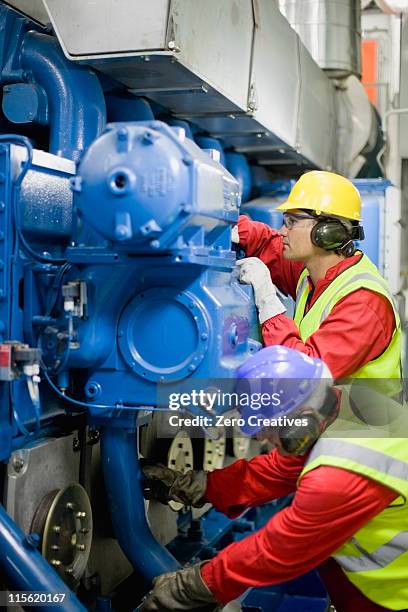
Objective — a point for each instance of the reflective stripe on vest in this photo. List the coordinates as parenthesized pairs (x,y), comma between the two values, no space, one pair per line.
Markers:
(374,459)
(302,286)
(378,559)
(362,274)
(375,559)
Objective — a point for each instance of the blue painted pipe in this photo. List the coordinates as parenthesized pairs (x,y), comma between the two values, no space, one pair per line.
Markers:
(27,570)
(122,474)
(123,106)
(77,113)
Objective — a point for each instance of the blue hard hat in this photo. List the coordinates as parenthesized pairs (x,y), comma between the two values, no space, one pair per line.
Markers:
(276,381)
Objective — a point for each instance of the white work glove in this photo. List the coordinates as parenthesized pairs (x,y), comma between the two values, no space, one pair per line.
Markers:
(235,235)
(254,272)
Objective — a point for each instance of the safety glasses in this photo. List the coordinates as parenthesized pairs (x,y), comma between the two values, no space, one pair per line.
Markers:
(290,219)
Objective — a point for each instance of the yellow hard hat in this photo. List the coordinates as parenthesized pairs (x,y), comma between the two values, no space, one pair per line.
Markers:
(325,193)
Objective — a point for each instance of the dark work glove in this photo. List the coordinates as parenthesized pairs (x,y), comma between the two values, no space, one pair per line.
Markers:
(178,591)
(164,484)
(155,489)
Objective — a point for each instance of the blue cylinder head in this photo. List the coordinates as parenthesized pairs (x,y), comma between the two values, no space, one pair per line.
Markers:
(133,184)
(141,184)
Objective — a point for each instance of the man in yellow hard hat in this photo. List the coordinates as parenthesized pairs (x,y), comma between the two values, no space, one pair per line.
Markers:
(344,310)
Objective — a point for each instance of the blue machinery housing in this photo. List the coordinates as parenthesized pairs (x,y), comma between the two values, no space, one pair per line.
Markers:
(116,276)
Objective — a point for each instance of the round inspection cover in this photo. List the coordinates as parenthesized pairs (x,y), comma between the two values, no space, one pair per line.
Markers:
(64,521)
(163,334)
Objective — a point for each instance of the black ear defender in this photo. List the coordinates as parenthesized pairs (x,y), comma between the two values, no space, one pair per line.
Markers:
(331,234)
(297,439)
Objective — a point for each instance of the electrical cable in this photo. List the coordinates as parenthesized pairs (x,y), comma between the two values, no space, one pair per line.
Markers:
(20,425)
(22,140)
(65,356)
(118,406)
(56,285)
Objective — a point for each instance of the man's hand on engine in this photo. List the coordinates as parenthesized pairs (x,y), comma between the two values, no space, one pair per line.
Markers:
(181,590)
(254,272)
(164,484)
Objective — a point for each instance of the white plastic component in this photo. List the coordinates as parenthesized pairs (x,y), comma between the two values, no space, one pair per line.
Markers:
(32,370)
(240,444)
(214,449)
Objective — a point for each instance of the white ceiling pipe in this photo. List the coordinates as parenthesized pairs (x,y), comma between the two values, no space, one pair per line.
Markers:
(393,7)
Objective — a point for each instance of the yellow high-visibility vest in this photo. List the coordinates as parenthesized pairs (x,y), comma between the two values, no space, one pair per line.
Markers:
(362,274)
(375,559)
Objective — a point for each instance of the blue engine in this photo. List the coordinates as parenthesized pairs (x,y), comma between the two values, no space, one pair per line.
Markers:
(116,276)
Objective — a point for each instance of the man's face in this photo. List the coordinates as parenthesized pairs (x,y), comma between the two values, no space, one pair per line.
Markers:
(295,232)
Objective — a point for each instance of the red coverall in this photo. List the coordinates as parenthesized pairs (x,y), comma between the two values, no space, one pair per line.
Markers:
(330,504)
(329,507)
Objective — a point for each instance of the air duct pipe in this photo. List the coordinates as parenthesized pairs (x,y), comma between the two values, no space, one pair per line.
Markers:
(330,30)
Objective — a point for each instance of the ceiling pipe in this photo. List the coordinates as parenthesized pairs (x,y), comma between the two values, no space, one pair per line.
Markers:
(330,30)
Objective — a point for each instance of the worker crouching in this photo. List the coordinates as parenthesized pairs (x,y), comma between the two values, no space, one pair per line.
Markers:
(348,517)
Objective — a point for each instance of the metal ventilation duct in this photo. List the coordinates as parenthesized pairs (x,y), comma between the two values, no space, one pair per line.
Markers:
(236,69)
(330,30)
(34,9)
